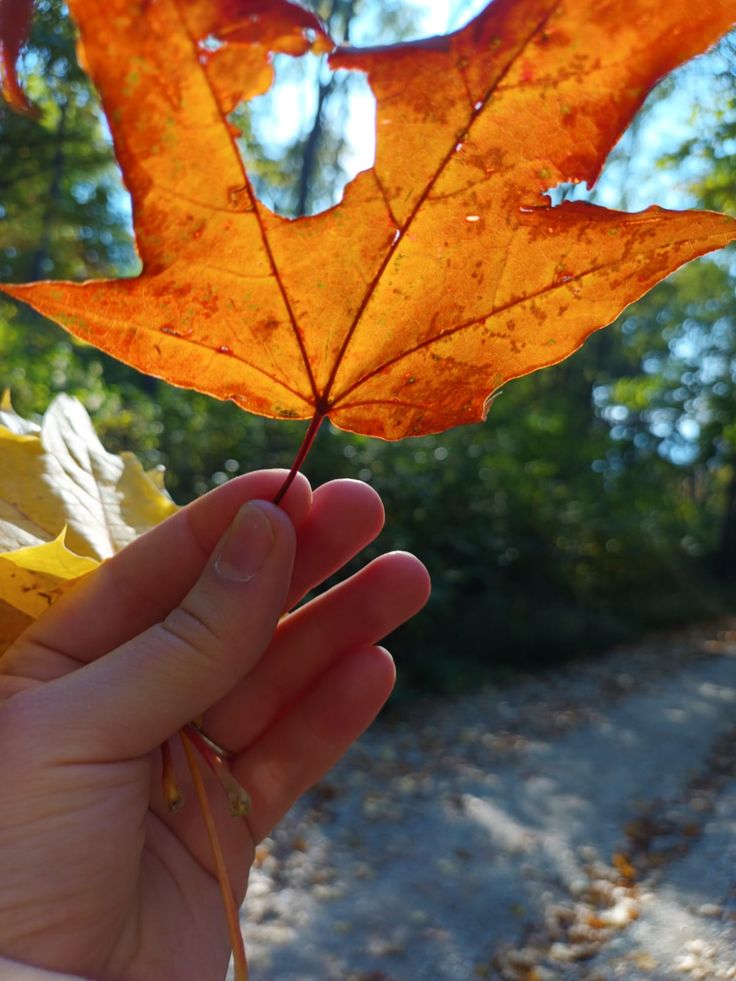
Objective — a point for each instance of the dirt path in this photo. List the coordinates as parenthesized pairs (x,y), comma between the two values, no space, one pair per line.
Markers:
(580,826)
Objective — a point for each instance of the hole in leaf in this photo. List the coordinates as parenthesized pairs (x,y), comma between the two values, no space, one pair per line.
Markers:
(308,136)
(314,131)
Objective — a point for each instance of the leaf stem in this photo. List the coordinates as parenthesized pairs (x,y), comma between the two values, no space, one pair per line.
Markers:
(237,796)
(172,794)
(192,739)
(299,458)
(231,911)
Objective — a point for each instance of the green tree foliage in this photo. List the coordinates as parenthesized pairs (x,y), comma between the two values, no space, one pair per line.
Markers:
(57,185)
(679,400)
(593,504)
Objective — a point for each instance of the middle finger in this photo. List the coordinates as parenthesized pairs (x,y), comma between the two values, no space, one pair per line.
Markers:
(356,613)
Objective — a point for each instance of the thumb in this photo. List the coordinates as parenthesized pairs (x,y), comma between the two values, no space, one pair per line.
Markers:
(131,700)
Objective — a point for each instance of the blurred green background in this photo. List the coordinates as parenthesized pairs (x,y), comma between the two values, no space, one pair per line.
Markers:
(599,499)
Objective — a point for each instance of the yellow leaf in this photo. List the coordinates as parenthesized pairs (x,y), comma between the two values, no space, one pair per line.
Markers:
(66,504)
(31,578)
(63,476)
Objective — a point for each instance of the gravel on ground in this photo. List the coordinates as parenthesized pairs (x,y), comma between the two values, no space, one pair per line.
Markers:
(578,825)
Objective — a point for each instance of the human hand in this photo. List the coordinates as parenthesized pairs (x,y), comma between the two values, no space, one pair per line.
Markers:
(97,878)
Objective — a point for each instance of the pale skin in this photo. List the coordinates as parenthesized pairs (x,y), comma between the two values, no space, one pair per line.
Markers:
(97,879)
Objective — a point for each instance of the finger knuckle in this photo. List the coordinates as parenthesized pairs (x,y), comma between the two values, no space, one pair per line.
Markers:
(192,629)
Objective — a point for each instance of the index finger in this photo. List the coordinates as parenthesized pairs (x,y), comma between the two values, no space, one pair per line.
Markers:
(147,579)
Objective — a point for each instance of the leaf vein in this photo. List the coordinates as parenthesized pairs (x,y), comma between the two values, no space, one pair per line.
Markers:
(423,197)
(428,341)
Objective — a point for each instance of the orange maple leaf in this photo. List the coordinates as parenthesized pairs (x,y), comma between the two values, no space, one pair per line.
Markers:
(444,272)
